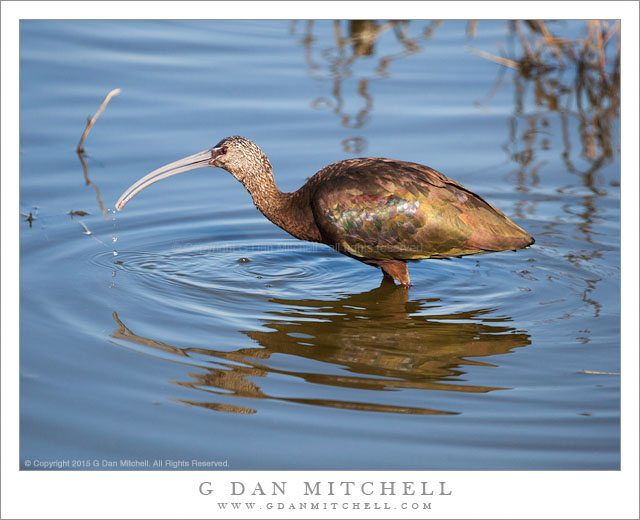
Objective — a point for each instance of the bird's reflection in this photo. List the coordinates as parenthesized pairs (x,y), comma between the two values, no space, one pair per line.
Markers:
(376,341)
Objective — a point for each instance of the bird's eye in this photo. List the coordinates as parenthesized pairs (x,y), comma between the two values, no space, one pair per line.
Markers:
(223,150)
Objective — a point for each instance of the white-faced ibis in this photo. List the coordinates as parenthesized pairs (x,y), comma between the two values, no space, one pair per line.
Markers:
(382,212)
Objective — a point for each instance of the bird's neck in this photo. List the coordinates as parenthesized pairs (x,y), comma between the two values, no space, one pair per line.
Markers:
(289,211)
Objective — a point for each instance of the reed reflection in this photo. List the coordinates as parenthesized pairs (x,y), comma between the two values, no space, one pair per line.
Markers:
(572,86)
(376,341)
(91,121)
(353,40)
(575,83)
(89,182)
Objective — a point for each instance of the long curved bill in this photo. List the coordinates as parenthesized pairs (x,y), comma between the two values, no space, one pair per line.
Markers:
(192,162)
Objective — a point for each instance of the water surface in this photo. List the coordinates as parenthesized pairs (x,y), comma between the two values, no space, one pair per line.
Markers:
(190,327)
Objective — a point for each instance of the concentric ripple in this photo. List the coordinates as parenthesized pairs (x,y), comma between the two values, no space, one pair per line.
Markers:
(280,268)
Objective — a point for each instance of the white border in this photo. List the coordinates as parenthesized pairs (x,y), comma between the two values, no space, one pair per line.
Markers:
(161,495)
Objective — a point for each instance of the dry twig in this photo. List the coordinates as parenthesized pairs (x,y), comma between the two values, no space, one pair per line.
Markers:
(92,121)
(472,28)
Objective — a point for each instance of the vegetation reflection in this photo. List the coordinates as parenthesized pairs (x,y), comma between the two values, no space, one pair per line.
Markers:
(571,87)
(375,341)
(564,90)
(353,40)
(82,153)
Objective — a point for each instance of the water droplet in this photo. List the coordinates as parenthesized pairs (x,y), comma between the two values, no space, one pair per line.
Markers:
(115,253)
(114,238)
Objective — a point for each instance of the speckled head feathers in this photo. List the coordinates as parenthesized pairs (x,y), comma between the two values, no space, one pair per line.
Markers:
(241,157)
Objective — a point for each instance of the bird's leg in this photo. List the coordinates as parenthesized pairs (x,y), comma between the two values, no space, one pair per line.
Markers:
(397,269)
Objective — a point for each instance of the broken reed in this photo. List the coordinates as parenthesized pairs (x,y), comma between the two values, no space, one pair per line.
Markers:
(92,121)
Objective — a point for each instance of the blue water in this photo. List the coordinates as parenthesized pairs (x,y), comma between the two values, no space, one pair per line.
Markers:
(190,327)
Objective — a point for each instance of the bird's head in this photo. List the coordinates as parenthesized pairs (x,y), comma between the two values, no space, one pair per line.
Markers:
(238,155)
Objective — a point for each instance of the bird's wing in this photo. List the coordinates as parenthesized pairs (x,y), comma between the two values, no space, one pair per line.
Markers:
(386,209)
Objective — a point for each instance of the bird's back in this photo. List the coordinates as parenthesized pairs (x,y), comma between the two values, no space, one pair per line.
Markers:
(383,209)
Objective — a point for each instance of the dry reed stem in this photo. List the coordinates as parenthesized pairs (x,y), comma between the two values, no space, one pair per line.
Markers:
(497,59)
(93,120)
(523,39)
(472,27)
(549,39)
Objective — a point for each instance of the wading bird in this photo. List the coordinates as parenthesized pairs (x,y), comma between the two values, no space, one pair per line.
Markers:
(382,212)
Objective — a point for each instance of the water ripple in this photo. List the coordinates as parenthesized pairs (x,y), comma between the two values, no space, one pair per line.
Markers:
(232,266)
